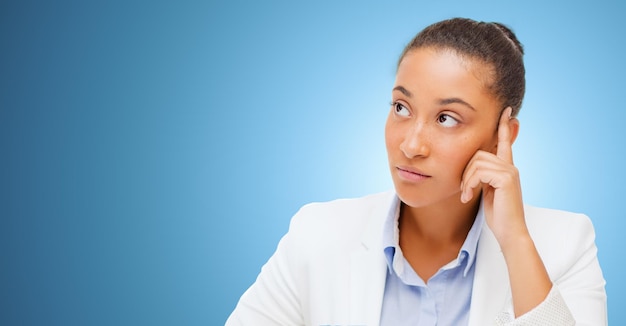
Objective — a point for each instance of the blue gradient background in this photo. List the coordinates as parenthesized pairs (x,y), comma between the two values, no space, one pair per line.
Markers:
(152,153)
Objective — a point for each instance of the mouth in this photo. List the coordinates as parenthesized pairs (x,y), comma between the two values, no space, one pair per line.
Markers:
(411,174)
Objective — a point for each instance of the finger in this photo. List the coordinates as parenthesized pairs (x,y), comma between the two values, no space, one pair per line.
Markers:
(466,193)
(481,171)
(472,182)
(504,150)
(470,168)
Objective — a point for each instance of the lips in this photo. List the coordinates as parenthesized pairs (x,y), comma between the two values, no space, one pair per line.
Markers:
(411,174)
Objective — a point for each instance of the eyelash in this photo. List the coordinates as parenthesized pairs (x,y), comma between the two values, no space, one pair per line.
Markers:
(447,116)
(397,104)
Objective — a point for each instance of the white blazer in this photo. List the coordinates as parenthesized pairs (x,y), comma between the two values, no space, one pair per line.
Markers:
(330,269)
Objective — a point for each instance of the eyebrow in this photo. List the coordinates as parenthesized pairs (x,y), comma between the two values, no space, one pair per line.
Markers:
(403,91)
(452,100)
(444,101)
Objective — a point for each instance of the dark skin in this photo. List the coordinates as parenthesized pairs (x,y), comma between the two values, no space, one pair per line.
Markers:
(428,254)
(449,146)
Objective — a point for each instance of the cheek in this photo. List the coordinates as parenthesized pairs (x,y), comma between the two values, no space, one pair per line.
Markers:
(458,156)
(462,150)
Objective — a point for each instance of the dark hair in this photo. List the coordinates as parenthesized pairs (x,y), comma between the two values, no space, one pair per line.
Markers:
(492,43)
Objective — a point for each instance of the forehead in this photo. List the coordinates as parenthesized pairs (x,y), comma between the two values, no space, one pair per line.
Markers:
(445,73)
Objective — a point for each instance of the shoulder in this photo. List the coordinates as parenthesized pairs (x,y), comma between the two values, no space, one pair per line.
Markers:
(566,243)
(341,219)
(546,222)
(561,237)
(340,210)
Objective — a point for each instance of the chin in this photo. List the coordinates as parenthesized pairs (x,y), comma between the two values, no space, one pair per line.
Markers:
(415,199)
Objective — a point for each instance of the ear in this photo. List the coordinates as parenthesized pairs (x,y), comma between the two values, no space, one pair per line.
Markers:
(512,130)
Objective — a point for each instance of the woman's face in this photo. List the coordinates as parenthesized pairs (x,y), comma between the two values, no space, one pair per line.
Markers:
(442,112)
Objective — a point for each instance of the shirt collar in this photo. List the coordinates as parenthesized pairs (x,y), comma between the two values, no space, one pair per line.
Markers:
(391,236)
(391,233)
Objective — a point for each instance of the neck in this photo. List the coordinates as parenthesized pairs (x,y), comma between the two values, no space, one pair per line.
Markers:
(443,223)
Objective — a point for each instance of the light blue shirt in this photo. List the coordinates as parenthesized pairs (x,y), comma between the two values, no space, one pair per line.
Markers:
(445,299)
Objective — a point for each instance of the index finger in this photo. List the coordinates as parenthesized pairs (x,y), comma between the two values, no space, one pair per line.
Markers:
(504,150)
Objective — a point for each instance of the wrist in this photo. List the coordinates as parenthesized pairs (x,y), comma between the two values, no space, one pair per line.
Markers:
(516,244)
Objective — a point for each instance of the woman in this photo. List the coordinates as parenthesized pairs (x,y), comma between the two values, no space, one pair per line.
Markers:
(453,244)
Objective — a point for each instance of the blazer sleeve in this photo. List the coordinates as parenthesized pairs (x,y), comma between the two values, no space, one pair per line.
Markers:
(273,299)
(578,294)
(552,311)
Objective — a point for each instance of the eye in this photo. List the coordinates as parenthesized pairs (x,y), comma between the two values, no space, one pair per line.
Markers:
(400,109)
(447,121)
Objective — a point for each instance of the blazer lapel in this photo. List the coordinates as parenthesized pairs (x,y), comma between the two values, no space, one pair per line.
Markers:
(367,287)
(368,269)
(491,288)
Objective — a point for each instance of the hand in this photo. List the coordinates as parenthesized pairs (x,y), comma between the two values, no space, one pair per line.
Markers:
(504,213)
(499,180)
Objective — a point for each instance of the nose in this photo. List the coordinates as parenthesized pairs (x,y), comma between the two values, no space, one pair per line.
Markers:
(416,141)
